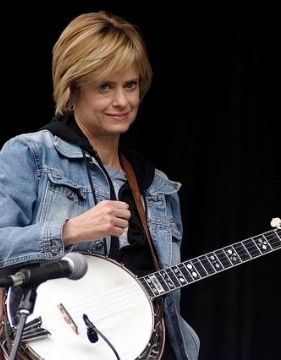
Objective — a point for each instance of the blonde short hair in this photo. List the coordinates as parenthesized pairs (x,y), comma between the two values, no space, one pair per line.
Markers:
(90,48)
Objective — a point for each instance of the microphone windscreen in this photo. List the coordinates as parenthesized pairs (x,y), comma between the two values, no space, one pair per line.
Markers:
(78,264)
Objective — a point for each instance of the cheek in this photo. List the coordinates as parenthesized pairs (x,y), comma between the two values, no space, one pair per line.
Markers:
(134,112)
(93,102)
(135,106)
(98,106)
(135,101)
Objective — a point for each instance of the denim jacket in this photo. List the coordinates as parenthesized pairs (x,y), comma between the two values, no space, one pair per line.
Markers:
(43,182)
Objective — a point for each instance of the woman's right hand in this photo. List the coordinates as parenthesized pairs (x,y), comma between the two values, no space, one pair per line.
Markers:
(108,217)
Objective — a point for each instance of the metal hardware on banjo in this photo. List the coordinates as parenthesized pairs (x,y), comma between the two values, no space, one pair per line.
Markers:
(118,303)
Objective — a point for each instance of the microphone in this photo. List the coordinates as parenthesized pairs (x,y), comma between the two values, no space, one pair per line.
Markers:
(91,329)
(72,266)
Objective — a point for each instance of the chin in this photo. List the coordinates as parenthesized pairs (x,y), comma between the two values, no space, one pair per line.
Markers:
(122,128)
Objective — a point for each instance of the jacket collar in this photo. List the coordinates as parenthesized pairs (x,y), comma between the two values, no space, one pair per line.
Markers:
(69,141)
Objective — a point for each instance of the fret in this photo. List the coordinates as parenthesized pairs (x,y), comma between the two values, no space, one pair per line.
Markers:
(162,281)
(154,284)
(212,257)
(167,279)
(173,277)
(274,238)
(179,275)
(223,255)
(267,242)
(207,264)
(262,244)
(186,273)
(199,267)
(192,270)
(252,248)
(242,251)
(232,255)
(147,287)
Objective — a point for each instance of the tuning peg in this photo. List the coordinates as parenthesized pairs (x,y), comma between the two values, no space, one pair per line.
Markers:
(276,222)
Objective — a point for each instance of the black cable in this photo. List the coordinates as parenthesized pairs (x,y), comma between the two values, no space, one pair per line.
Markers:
(92,332)
(93,193)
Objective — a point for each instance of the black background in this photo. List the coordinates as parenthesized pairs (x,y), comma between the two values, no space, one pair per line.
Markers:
(211,121)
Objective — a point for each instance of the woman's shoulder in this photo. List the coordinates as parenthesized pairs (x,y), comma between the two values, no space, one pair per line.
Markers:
(150,178)
(35,136)
(163,183)
(28,139)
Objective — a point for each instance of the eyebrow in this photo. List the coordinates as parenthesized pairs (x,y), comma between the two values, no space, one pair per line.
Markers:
(125,82)
(135,79)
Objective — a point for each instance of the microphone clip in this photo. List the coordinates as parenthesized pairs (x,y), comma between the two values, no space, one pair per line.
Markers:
(91,330)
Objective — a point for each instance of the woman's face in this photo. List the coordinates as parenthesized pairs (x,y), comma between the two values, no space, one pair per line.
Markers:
(108,108)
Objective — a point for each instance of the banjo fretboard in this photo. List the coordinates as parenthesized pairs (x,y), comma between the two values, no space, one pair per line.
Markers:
(166,280)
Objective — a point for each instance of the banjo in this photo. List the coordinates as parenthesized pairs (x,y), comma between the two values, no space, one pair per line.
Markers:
(118,304)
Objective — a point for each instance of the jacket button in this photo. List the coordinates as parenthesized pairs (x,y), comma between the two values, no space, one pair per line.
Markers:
(70,195)
(53,250)
(99,245)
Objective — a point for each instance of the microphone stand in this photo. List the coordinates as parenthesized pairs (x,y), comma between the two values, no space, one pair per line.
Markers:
(25,310)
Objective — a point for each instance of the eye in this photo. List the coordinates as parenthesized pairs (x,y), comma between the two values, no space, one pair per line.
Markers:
(103,87)
(131,84)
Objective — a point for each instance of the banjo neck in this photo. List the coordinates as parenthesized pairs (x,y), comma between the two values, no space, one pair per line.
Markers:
(164,281)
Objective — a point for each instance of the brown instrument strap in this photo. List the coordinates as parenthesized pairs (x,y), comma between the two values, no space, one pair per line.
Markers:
(132,180)
(133,183)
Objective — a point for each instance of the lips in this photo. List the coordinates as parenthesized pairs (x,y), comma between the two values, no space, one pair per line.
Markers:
(119,116)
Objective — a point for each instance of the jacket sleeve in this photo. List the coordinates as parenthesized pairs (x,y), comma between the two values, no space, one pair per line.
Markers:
(22,237)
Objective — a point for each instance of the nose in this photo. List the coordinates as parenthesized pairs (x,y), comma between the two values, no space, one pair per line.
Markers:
(120,98)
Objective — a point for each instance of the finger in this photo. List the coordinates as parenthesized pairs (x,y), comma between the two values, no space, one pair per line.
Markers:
(121,223)
(117,231)
(120,204)
(123,214)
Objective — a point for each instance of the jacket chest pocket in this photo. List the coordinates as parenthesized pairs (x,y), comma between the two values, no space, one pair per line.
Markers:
(62,199)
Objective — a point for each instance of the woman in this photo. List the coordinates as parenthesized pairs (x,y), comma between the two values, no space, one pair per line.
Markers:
(64,188)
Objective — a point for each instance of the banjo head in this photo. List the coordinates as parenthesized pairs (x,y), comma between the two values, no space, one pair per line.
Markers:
(113,300)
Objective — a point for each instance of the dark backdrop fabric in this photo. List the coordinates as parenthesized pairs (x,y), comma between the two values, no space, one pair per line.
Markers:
(210,121)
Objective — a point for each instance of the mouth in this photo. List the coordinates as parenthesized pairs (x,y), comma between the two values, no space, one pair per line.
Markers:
(119,116)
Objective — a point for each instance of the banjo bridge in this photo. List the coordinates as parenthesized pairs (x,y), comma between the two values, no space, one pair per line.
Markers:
(67,317)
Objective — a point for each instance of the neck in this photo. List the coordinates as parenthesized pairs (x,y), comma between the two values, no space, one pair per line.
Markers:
(108,154)
(106,145)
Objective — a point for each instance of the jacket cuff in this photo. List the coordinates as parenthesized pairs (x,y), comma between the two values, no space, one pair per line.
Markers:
(53,245)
